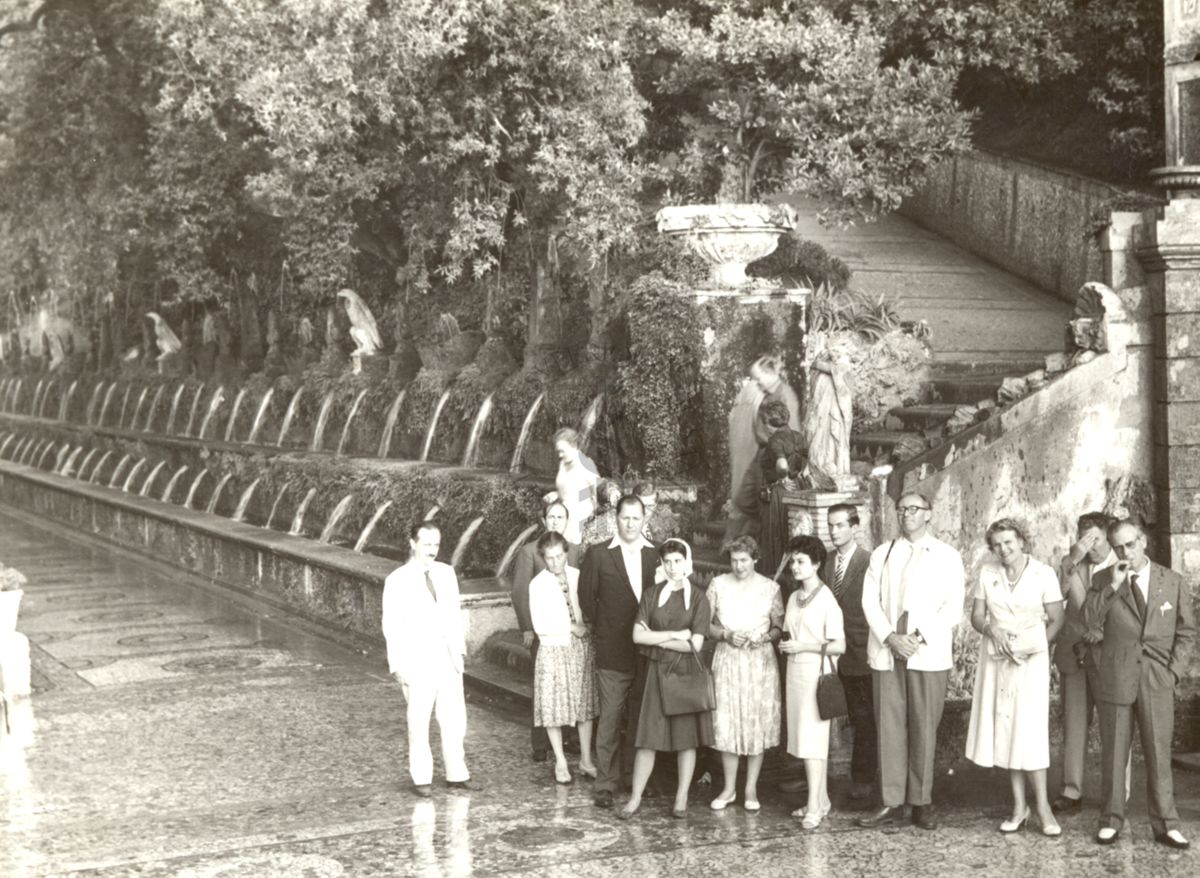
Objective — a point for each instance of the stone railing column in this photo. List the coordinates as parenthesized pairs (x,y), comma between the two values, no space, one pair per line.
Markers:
(1171,260)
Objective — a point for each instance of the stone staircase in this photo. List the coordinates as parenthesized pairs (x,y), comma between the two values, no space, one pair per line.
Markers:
(960,394)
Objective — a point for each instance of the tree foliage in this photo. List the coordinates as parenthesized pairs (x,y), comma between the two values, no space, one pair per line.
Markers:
(158,151)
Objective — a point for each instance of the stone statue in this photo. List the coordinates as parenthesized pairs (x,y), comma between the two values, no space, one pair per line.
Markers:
(363,330)
(830,413)
(164,337)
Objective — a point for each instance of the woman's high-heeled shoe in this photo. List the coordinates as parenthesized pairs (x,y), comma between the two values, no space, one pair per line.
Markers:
(562,773)
(813,819)
(1009,826)
(588,771)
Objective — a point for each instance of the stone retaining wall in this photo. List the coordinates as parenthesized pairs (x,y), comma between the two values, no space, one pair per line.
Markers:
(332,586)
(1036,222)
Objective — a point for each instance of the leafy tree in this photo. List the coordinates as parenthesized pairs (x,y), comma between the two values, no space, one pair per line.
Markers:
(850,102)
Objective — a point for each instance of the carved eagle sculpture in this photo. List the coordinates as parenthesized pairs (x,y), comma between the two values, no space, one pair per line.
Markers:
(167,341)
(362,325)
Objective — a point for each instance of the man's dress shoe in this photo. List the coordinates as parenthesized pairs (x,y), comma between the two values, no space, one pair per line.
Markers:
(922,816)
(886,814)
(1065,805)
(1173,839)
(603,799)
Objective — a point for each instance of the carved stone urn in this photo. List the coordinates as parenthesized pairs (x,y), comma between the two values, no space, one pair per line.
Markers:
(728,236)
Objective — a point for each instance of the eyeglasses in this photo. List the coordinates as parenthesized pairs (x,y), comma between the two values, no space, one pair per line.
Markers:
(911,510)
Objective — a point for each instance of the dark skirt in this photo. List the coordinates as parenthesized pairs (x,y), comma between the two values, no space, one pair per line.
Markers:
(656,730)
(774,534)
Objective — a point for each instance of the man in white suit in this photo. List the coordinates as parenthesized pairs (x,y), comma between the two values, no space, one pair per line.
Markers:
(912,596)
(426,644)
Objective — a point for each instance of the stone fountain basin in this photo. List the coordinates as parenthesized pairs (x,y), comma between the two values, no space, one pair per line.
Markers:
(328,585)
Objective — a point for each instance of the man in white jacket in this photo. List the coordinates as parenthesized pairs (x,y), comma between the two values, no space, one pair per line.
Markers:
(912,597)
(423,626)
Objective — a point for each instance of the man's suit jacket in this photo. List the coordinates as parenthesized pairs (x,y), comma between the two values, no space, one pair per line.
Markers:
(609,604)
(849,597)
(421,632)
(527,565)
(1163,639)
(1080,574)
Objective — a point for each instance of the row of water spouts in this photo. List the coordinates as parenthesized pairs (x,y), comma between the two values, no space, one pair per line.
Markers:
(62,458)
(10,394)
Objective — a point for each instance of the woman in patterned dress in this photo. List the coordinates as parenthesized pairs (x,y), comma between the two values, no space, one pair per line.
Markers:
(747,621)
(672,618)
(564,689)
(1018,608)
(812,628)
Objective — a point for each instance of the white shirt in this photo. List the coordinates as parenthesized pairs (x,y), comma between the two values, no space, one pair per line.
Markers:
(925,579)
(632,556)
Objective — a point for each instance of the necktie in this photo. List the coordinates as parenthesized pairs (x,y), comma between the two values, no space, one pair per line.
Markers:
(838,572)
(429,585)
(1137,596)
(562,580)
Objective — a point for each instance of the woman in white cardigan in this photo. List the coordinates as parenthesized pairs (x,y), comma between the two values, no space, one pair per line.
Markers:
(564,689)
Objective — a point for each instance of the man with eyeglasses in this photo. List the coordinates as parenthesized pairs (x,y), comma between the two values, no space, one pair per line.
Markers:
(913,595)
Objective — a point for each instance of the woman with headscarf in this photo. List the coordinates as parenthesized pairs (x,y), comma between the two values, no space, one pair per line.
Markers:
(672,622)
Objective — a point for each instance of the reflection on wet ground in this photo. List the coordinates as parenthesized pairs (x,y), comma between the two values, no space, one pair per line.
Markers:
(175,730)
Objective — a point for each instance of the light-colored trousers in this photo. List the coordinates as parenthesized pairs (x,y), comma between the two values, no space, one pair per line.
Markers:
(438,693)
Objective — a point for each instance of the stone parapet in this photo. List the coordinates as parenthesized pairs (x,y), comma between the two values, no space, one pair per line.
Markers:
(1034,221)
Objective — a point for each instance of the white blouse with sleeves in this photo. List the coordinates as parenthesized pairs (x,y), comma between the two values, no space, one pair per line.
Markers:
(548,607)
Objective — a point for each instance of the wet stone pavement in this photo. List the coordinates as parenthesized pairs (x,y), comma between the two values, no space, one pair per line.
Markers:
(177,731)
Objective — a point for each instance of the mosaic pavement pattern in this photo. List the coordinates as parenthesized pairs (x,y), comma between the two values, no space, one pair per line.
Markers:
(176,731)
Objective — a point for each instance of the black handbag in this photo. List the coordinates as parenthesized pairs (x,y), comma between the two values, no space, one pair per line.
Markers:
(831,694)
(685,685)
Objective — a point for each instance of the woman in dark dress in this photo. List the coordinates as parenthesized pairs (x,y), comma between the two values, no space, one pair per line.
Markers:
(673,618)
(783,459)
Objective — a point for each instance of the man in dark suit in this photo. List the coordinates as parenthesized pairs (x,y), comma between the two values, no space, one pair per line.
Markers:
(528,564)
(844,571)
(611,582)
(1146,624)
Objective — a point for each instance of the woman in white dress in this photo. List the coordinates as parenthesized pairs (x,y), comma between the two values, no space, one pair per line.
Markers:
(575,483)
(747,621)
(564,689)
(1018,608)
(812,628)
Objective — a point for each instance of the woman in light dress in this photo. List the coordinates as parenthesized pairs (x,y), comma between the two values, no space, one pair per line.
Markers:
(812,628)
(747,622)
(672,622)
(564,689)
(1018,609)
(575,483)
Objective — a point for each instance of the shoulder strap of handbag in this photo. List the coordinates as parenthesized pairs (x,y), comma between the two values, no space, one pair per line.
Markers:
(824,646)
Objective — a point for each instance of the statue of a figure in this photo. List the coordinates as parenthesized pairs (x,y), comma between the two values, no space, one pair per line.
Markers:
(363,330)
(54,349)
(830,413)
(164,337)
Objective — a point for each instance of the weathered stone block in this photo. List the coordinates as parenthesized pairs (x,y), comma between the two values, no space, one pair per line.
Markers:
(1184,554)
(1177,423)
(1177,467)
(1180,292)
(1176,380)
(1181,507)
(1177,335)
